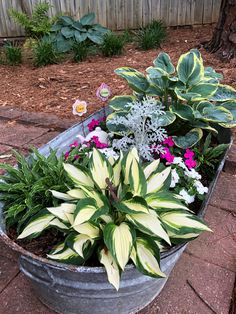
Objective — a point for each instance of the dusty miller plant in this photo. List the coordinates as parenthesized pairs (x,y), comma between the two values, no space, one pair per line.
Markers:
(142,128)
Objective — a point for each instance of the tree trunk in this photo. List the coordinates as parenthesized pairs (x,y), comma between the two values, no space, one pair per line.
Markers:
(223,41)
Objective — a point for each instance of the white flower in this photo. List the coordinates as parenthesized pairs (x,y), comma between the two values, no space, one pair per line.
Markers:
(179,161)
(174,178)
(201,189)
(187,197)
(109,152)
(193,174)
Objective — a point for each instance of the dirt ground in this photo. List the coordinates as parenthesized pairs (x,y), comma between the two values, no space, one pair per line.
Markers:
(54,88)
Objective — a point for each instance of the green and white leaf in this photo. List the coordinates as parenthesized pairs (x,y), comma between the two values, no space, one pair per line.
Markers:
(85,211)
(88,229)
(79,175)
(61,196)
(137,179)
(151,167)
(121,103)
(133,206)
(163,61)
(119,240)
(112,269)
(188,140)
(157,180)
(136,80)
(164,199)
(224,93)
(61,211)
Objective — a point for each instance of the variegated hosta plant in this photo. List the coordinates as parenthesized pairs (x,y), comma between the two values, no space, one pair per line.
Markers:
(118,211)
(194,99)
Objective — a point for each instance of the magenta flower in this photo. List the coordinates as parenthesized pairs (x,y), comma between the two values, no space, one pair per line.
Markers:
(167,155)
(168,141)
(75,144)
(97,143)
(190,163)
(103,92)
(189,154)
(92,125)
(66,156)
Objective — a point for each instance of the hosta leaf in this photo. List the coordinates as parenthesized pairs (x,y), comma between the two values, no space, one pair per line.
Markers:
(67,32)
(96,38)
(177,238)
(67,20)
(217,114)
(79,175)
(157,73)
(76,194)
(100,169)
(100,199)
(88,19)
(145,256)
(61,196)
(164,199)
(78,242)
(133,206)
(205,90)
(67,256)
(121,102)
(157,180)
(230,106)
(149,224)
(80,36)
(190,69)
(62,210)
(183,222)
(111,267)
(119,240)
(114,126)
(89,229)
(151,167)
(224,93)
(186,96)
(117,171)
(58,224)
(126,163)
(136,80)
(183,111)
(36,225)
(137,179)
(210,73)
(163,61)
(188,140)
(166,119)
(86,210)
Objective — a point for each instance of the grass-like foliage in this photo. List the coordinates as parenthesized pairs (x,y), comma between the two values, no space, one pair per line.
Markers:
(13,54)
(36,25)
(151,36)
(44,53)
(112,45)
(25,190)
(81,51)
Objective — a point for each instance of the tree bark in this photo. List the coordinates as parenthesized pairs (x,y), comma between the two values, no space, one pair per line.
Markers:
(223,41)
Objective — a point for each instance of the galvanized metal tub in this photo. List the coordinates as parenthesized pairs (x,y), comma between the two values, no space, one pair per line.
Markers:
(85,290)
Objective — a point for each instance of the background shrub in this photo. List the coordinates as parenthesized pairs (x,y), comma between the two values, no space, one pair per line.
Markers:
(44,53)
(112,45)
(81,51)
(13,54)
(152,35)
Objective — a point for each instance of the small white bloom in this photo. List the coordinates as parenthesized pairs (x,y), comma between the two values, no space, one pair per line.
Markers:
(109,152)
(193,174)
(179,161)
(187,197)
(201,189)
(174,178)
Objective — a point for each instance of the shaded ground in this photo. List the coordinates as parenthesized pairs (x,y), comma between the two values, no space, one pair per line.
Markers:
(54,88)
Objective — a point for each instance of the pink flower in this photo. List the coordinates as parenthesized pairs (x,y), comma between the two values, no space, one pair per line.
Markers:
(167,156)
(189,154)
(75,144)
(66,156)
(92,125)
(168,141)
(103,92)
(190,163)
(97,143)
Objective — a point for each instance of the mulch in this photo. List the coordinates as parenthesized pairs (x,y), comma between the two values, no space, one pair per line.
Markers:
(54,88)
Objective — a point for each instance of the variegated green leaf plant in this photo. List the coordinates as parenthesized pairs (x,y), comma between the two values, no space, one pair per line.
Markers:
(192,94)
(119,211)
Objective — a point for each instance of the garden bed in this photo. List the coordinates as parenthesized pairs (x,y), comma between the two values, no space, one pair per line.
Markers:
(54,88)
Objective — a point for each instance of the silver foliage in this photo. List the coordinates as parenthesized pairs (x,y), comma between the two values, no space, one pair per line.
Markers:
(143,129)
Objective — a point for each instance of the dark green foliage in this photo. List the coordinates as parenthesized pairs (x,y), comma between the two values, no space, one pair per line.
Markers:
(128,36)
(13,54)
(36,25)
(66,31)
(81,51)
(26,190)
(208,156)
(151,36)
(44,53)
(112,45)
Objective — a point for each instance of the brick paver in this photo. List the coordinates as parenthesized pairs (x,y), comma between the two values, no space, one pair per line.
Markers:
(202,281)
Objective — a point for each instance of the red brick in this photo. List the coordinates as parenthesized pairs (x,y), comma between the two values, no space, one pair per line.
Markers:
(224,195)
(18,135)
(18,297)
(217,247)
(44,139)
(230,163)
(9,112)
(212,283)
(8,270)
